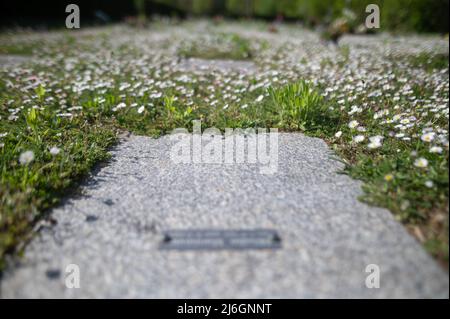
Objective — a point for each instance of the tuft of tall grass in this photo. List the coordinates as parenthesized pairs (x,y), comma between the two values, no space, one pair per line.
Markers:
(298,105)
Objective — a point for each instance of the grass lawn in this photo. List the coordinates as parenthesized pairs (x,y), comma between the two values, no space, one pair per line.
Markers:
(380,103)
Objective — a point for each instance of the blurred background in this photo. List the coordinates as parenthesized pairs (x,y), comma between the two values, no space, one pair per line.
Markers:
(396,15)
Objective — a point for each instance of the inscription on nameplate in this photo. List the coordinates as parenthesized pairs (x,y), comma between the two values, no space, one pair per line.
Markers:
(215,239)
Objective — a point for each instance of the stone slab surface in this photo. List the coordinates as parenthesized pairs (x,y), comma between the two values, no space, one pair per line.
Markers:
(113,231)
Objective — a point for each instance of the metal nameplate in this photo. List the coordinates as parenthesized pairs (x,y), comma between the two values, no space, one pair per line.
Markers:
(215,239)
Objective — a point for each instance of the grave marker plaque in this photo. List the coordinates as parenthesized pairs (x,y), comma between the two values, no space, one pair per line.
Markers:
(216,239)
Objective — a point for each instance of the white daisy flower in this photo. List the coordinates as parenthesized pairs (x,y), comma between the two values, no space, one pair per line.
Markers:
(421,162)
(26,157)
(375,142)
(405,121)
(358,138)
(428,137)
(377,138)
(119,106)
(259,98)
(353,124)
(429,184)
(55,150)
(436,150)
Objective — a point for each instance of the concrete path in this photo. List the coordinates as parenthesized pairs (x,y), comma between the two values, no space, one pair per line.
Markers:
(202,65)
(7,60)
(328,237)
